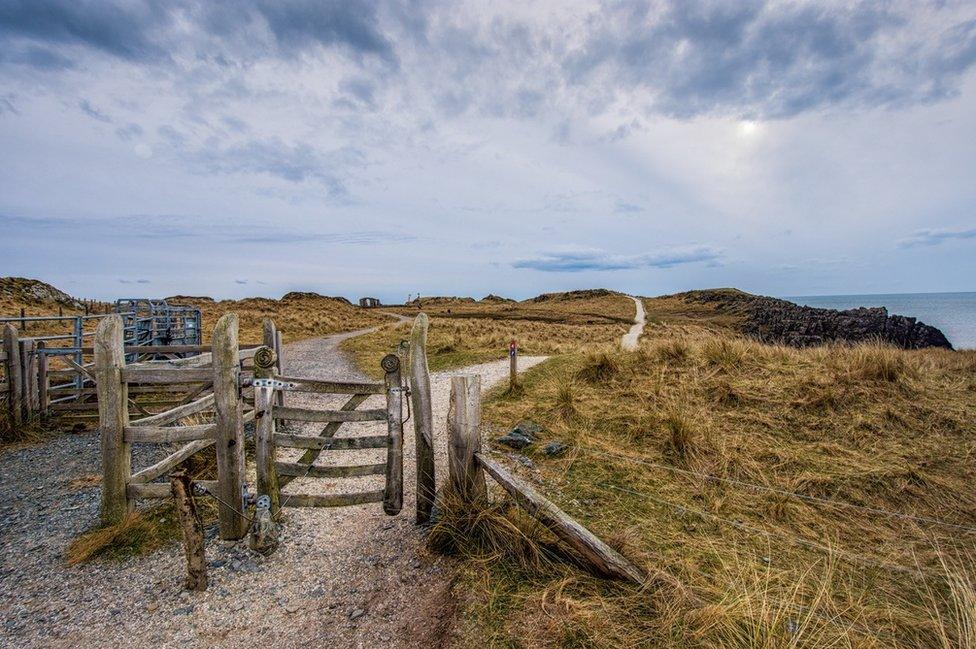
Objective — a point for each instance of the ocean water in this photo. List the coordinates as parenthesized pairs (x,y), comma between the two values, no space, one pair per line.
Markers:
(953,313)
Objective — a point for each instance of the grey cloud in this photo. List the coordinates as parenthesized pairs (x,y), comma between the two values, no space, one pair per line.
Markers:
(149,31)
(93,112)
(929,237)
(122,29)
(574,261)
(128,131)
(295,163)
(758,59)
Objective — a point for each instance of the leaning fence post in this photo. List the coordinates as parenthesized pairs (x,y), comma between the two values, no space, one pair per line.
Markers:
(196,562)
(393,493)
(230,428)
(264,428)
(464,439)
(423,418)
(11,347)
(113,417)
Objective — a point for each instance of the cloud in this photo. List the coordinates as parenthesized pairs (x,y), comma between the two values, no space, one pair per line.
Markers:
(150,32)
(928,237)
(295,163)
(93,112)
(774,60)
(572,261)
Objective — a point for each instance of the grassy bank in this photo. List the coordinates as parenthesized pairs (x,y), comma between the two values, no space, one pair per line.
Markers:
(717,464)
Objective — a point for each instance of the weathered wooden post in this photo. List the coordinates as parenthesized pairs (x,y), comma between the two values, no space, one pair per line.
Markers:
(271,338)
(15,384)
(464,440)
(28,360)
(230,428)
(512,366)
(423,418)
(264,427)
(393,493)
(23,318)
(43,400)
(113,417)
(196,562)
(280,355)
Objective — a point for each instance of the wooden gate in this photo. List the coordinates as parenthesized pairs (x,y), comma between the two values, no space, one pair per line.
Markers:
(273,476)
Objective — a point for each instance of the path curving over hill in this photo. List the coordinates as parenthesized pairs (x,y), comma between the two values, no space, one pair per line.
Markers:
(346,577)
(629,340)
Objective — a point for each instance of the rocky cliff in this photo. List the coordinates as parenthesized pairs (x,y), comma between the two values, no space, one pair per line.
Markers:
(773,320)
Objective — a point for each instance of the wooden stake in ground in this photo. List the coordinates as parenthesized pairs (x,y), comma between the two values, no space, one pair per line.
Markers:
(113,417)
(230,427)
(423,418)
(512,366)
(15,384)
(196,560)
(464,440)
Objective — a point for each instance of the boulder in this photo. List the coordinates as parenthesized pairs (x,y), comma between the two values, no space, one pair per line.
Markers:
(523,434)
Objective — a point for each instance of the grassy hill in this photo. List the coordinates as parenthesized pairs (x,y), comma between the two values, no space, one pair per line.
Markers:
(465,331)
(753,482)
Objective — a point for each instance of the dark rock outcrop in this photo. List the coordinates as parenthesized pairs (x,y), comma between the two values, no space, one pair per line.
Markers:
(779,321)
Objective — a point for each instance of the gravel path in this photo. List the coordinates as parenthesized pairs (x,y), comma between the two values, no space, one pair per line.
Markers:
(347,577)
(629,340)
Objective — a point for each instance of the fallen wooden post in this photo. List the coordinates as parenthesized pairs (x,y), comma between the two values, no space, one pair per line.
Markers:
(196,560)
(600,556)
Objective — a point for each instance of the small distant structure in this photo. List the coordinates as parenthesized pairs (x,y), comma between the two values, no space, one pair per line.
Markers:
(369,302)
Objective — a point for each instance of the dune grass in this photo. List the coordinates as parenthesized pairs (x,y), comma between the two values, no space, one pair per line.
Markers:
(685,455)
(457,342)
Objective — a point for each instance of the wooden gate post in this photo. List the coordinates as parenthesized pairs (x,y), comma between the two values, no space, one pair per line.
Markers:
(393,493)
(264,428)
(271,339)
(15,384)
(423,419)
(512,366)
(464,439)
(43,400)
(113,417)
(230,428)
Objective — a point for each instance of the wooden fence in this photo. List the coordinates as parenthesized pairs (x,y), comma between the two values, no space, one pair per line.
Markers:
(54,376)
(214,381)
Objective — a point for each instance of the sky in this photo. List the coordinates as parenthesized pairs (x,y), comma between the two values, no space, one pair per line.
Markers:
(254,147)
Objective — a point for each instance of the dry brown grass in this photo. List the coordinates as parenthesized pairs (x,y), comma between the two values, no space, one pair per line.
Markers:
(579,307)
(736,566)
(298,316)
(456,342)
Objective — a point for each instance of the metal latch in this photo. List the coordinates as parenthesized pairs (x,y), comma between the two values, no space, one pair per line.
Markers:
(274,384)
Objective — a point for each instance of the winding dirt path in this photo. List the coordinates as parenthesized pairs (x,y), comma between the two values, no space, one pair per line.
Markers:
(629,340)
(346,577)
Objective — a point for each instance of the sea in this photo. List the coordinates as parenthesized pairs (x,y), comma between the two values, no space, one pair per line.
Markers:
(953,313)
